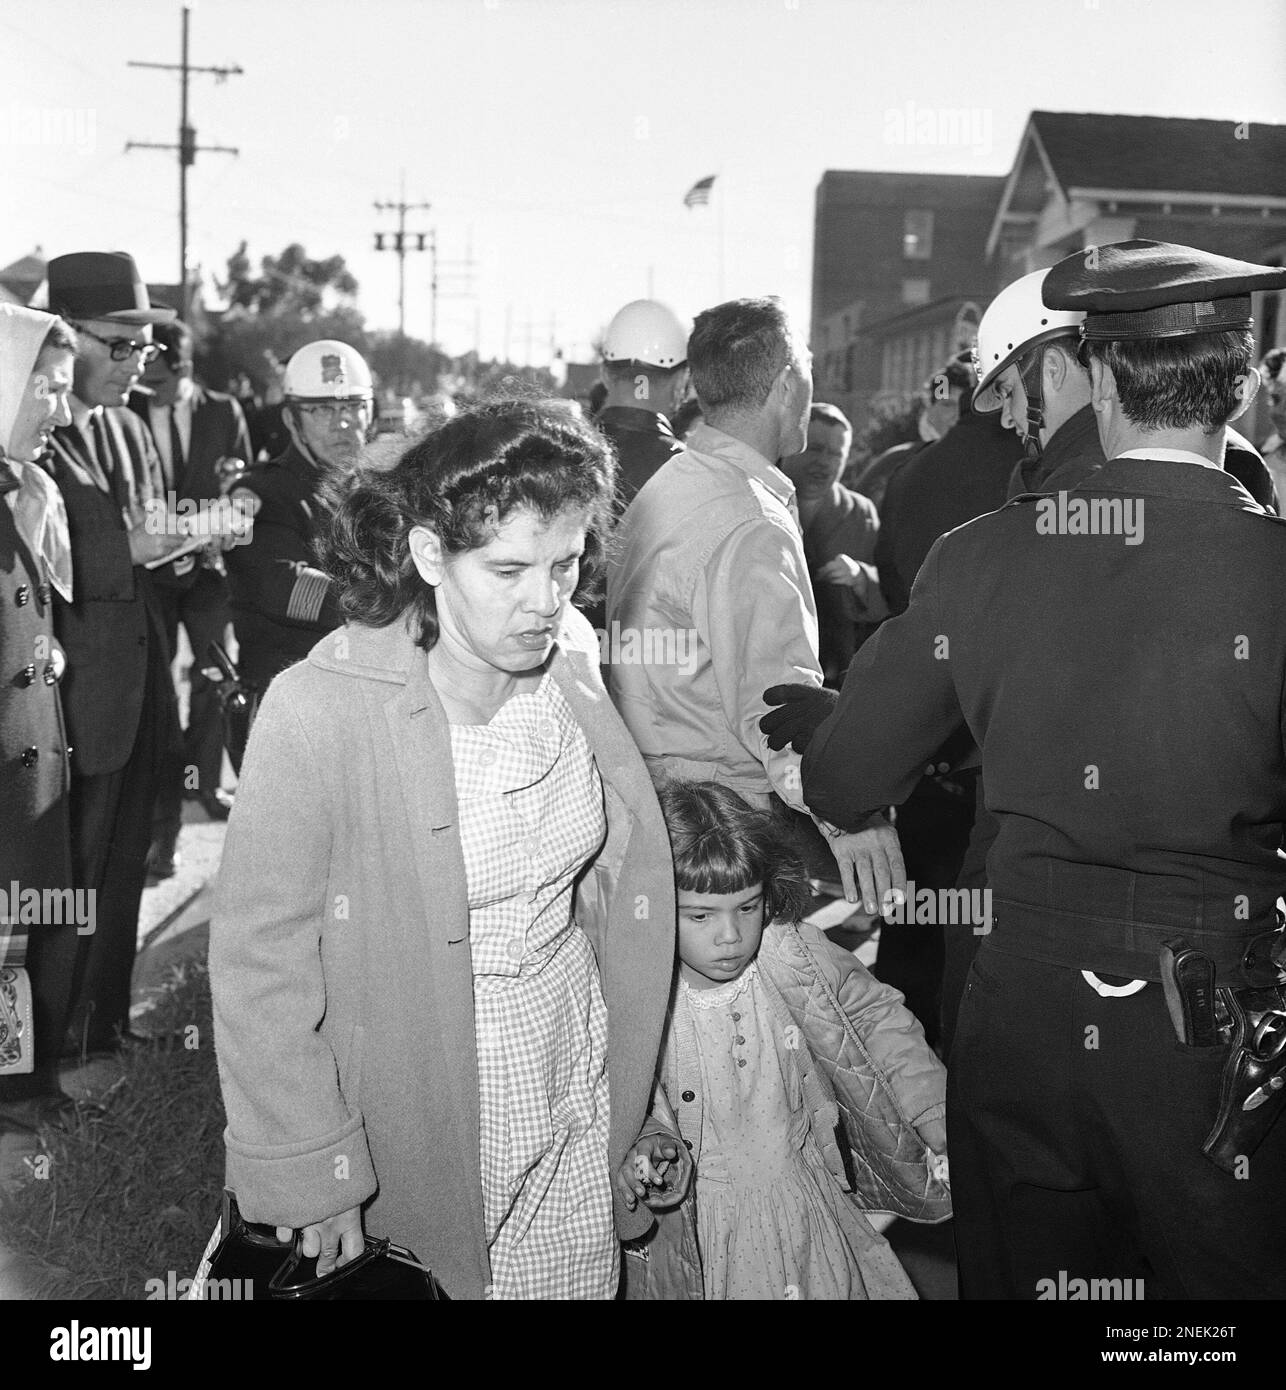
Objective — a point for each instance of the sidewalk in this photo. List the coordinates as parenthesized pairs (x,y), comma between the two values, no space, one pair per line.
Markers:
(173,926)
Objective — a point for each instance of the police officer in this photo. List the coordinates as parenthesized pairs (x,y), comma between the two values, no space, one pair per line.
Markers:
(281,601)
(1109,658)
(645,353)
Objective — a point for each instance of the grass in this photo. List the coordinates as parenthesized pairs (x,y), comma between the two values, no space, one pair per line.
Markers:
(134,1194)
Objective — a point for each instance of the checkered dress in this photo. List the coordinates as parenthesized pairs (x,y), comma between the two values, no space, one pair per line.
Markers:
(531,813)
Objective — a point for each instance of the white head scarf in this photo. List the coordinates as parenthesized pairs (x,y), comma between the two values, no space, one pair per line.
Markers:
(37,505)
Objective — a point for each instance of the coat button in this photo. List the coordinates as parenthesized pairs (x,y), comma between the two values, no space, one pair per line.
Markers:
(69,750)
(689,1097)
(739,1039)
(687,1144)
(27,675)
(44,593)
(29,756)
(21,594)
(741,1061)
(50,673)
(736,1018)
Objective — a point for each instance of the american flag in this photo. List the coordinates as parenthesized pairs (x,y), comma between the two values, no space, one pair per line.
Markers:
(699,192)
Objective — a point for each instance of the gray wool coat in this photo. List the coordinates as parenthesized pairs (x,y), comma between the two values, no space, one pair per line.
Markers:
(339,949)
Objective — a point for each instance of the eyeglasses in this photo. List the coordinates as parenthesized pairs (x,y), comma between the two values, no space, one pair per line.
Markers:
(332,411)
(121,348)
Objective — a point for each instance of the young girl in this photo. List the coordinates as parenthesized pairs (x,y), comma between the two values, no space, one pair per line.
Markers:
(778,1044)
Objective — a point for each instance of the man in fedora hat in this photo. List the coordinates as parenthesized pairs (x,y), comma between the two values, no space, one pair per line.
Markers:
(117,694)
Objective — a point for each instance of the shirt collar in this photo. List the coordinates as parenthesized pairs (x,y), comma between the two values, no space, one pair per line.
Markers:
(1171,456)
(705,439)
(81,414)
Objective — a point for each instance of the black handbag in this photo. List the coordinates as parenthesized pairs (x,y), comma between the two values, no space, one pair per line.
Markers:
(249,1262)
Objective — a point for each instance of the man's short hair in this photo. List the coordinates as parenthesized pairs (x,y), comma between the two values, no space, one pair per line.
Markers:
(824,413)
(175,341)
(738,350)
(1193,382)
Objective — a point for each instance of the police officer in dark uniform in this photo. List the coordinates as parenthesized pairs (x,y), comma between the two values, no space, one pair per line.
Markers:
(1119,1062)
(645,354)
(281,600)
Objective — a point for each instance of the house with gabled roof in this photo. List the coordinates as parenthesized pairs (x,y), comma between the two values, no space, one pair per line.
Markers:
(1078,179)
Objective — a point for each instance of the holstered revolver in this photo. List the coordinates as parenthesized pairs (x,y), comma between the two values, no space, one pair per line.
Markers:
(1252,1022)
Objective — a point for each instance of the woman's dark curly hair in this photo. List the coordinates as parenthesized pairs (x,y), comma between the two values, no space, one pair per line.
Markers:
(722,845)
(462,480)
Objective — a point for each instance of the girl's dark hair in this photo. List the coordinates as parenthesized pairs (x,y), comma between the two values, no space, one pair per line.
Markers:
(462,480)
(722,845)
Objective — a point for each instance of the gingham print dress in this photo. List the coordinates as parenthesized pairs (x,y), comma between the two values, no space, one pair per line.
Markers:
(531,814)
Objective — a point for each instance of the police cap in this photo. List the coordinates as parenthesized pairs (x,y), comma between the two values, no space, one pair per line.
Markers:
(1155,289)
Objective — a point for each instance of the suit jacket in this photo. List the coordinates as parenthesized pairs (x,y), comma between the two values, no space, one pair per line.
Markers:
(106,628)
(951,481)
(218,431)
(1128,701)
(339,949)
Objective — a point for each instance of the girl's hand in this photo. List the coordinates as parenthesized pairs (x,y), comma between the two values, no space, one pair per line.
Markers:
(933,1134)
(333,1242)
(657,1170)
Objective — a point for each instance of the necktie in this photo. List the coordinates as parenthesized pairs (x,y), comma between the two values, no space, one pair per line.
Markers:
(178,463)
(109,462)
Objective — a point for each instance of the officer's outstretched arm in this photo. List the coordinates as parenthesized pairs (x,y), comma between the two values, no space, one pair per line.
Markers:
(897,707)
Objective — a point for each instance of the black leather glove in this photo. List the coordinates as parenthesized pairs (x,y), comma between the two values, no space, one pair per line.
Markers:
(801,709)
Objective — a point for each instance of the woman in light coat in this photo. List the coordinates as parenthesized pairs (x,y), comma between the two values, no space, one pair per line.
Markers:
(446,909)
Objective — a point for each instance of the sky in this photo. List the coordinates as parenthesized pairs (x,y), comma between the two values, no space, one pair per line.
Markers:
(555,139)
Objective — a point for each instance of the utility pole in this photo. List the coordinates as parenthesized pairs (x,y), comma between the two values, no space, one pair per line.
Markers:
(187,146)
(401,246)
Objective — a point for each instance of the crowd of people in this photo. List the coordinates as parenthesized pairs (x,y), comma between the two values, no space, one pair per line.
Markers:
(559,725)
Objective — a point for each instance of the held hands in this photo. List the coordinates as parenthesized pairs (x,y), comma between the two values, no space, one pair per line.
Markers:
(871,860)
(657,1169)
(802,709)
(333,1242)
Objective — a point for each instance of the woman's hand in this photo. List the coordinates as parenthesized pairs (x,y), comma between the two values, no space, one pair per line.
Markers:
(333,1242)
(658,1170)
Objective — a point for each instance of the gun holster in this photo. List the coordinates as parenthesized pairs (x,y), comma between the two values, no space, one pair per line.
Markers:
(1252,1090)
(1251,1021)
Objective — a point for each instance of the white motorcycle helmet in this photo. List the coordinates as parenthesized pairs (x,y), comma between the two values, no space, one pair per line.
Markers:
(327,370)
(1015,322)
(649,332)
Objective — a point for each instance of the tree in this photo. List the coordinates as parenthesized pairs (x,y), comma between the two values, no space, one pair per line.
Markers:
(293,300)
(406,366)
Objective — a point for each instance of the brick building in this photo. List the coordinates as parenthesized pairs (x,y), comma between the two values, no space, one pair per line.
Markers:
(889,306)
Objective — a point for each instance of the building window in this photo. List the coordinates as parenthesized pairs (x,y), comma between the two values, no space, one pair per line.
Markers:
(915,291)
(917,234)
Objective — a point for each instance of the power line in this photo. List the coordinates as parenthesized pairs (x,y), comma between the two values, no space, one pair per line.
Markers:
(401,245)
(187,147)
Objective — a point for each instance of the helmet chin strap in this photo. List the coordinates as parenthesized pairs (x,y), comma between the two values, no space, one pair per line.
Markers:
(1031,372)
